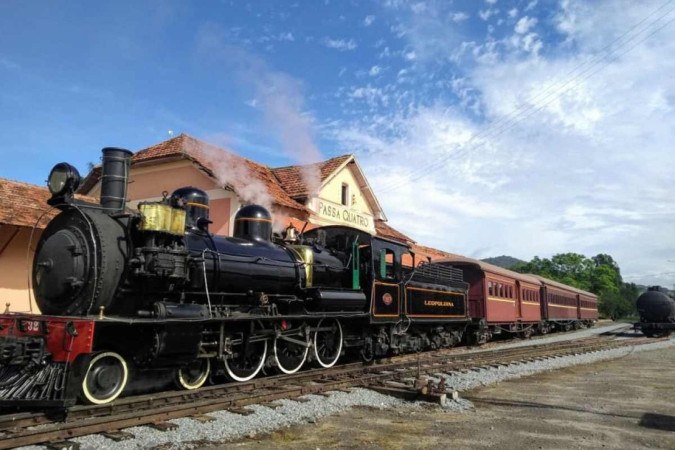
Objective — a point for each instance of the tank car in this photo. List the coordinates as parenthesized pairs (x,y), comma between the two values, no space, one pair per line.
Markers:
(657,312)
(126,295)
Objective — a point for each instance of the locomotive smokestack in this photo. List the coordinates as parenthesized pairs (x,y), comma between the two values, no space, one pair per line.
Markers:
(114,178)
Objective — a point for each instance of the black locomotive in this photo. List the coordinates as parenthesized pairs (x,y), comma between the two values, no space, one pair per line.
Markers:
(657,312)
(127,294)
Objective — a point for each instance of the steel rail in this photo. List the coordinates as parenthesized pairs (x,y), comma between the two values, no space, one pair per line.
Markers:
(21,429)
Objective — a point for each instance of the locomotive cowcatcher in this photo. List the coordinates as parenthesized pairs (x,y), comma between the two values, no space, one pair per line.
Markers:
(127,295)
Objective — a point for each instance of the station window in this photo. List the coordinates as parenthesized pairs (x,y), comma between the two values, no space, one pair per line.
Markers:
(345,194)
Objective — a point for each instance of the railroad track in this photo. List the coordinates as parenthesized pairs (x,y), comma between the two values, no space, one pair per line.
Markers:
(36,428)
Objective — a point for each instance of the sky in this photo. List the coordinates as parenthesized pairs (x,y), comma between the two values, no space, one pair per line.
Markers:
(485,128)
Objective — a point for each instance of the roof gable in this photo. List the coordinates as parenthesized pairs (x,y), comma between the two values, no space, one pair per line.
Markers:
(292,180)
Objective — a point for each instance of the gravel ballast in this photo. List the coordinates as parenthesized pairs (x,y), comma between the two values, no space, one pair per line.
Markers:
(230,426)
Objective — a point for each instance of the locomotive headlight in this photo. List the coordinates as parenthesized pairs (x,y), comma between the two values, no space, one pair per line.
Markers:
(63,179)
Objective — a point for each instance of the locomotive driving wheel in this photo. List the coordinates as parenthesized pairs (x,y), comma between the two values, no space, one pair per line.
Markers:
(328,342)
(106,378)
(291,350)
(248,358)
(193,375)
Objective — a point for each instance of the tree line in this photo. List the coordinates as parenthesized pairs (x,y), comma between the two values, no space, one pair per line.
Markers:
(599,274)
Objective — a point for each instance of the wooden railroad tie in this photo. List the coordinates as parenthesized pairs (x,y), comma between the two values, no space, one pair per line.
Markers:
(202,418)
(345,390)
(273,405)
(63,445)
(163,426)
(411,394)
(241,411)
(117,436)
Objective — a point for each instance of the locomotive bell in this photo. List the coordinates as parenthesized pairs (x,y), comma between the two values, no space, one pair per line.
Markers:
(290,234)
(253,223)
(196,205)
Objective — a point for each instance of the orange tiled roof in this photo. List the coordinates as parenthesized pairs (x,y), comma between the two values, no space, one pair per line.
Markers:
(385,231)
(291,178)
(434,253)
(184,146)
(22,204)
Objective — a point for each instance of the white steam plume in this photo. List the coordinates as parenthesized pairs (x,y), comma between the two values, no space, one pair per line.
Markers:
(277,94)
(233,171)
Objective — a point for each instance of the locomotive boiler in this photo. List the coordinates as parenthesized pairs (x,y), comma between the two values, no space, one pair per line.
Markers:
(163,261)
(127,294)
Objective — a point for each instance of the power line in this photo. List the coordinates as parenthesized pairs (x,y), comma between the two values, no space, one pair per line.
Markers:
(513,118)
(507,122)
(510,122)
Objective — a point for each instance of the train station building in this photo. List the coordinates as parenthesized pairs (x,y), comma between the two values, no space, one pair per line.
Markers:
(331,192)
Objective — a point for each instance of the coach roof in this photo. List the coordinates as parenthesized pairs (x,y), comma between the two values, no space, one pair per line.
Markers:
(489,268)
(560,285)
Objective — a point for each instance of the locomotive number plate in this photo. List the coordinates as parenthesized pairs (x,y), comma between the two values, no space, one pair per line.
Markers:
(29,326)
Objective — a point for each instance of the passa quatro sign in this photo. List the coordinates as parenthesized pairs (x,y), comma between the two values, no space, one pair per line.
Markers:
(346,216)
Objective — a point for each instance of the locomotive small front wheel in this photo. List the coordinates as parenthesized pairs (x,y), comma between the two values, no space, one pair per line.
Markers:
(328,343)
(106,378)
(289,356)
(194,375)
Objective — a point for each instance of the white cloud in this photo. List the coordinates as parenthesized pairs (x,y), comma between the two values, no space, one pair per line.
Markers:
(368,20)
(342,45)
(374,71)
(8,63)
(460,16)
(485,14)
(566,154)
(419,7)
(288,36)
(524,24)
(513,13)
(372,95)
(531,5)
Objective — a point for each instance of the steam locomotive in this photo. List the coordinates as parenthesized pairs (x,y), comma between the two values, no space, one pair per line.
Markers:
(657,312)
(125,295)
